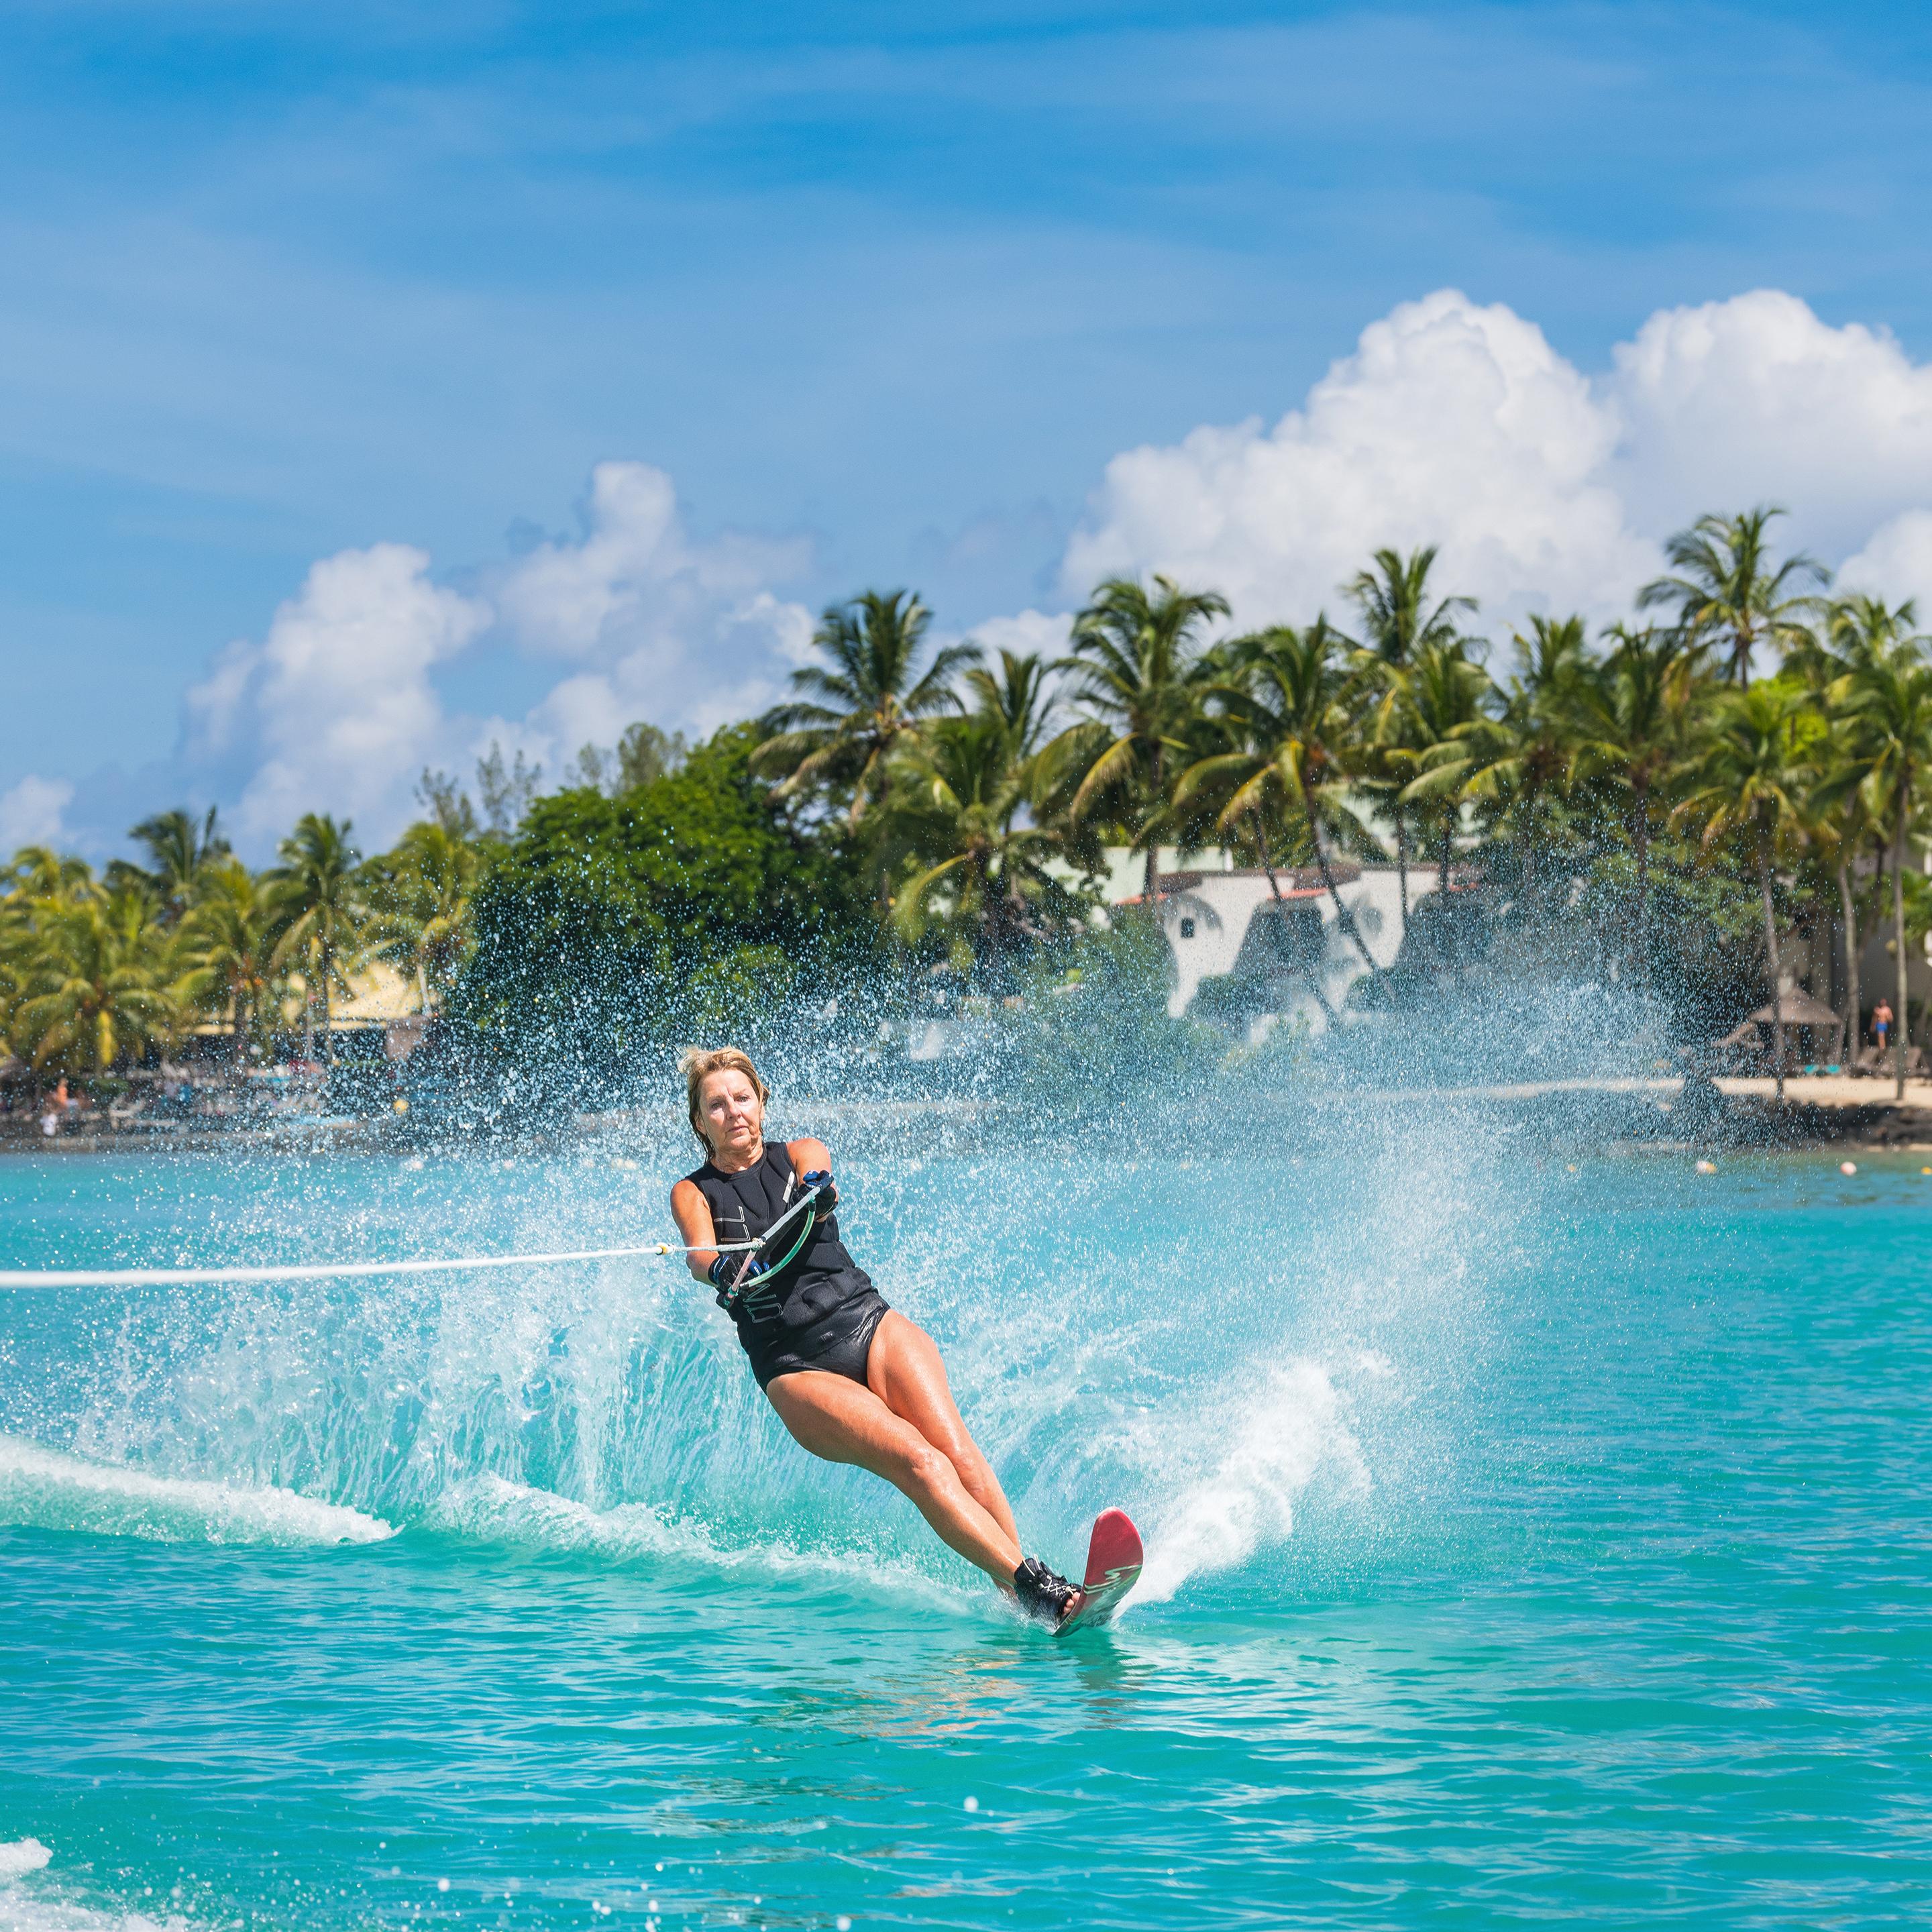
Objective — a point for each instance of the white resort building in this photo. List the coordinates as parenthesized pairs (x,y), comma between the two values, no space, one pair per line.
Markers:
(1282,944)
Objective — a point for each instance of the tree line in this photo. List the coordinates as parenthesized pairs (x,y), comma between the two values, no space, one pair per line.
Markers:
(1741,759)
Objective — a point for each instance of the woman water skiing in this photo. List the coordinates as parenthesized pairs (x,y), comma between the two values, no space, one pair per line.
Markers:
(852,1379)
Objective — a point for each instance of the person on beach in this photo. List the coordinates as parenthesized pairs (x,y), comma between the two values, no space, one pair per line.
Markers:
(852,1379)
(1882,1024)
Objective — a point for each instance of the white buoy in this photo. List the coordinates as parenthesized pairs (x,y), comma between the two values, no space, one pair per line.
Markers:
(1848,1167)
(1707,1167)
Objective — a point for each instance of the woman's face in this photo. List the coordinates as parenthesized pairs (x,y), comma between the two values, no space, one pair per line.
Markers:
(730,1113)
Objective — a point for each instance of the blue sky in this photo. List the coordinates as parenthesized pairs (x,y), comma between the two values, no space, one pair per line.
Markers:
(890,287)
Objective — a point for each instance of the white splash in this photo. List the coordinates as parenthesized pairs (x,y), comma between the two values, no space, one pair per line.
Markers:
(23,1856)
(45,1489)
(1260,1466)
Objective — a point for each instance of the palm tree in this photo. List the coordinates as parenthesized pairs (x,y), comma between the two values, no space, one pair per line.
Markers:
(1398,620)
(227,947)
(1887,707)
(319,895)
(1752,776)
(1727,595)
(1439,727)
(961,794)
(423,896)
(39,872)
(1140,671)
(1286,698)
(96,985)
(1016,692)
(1528,755)
(178,845)
(1628,726)
(841,730)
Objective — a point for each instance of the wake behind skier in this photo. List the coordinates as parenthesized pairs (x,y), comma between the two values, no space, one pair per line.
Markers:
(852,1379)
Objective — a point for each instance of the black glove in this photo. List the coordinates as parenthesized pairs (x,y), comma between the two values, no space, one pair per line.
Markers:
(827,1203)
(725,1278)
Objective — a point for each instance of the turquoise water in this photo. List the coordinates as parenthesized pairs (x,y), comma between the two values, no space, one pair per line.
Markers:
(1525,1545)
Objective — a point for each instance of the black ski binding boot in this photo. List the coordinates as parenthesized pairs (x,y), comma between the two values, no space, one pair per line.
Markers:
(1044,1593)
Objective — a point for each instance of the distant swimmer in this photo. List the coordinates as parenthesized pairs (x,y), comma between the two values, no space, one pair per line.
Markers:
(852,1379)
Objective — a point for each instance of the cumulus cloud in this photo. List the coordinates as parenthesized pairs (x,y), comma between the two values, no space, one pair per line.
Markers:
(31,812)
(1755,400)
(1896,564)
(1458,425)
(665,615)
(1451,424)
(338,695)
(338,707)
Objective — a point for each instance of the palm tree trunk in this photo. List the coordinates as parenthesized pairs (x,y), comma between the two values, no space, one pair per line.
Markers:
(1344,917)
(240,1032)
(1402,862)
(1898,930)
(308,1022)
(1770,960)
(1442,867)
(1848,1027)
(1150,876)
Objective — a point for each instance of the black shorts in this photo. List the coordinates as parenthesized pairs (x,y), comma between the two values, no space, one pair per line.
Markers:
(839,1343)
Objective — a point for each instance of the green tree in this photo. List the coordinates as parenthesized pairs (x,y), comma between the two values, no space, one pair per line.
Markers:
(321,899)
(982,864)
(178,846)
(1520,770)
(226,948)
(1628,724)
(420,894)
(1400,616)
(1728,593)
(1754,772)
(1437,725)
(593,928)
(1285,695)
(96,989)
(853,711)
(1887,706)
(1140,673)
(1015,692)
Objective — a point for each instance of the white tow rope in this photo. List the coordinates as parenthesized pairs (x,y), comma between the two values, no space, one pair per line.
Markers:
(188,1277)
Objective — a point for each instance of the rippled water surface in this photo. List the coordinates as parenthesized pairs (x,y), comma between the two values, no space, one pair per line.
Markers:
(1526,1544)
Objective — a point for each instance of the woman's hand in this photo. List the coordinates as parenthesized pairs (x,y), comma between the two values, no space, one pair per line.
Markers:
(827,1203)
(728,1281)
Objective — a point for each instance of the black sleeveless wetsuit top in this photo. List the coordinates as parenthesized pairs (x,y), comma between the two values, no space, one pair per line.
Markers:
(812,1311)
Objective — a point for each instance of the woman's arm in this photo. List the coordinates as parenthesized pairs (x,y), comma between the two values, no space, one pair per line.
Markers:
(692,1212)
(807,1157)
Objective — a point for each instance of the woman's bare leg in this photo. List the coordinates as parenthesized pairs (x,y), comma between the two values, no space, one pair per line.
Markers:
(904,1372)
(835,1418)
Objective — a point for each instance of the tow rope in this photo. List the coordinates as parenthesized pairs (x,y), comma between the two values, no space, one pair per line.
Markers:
(187,1277)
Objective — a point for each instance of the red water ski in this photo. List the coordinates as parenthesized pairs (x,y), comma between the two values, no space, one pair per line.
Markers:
(1113,1568)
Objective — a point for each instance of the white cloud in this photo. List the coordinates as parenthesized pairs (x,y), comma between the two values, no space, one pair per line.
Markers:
(1896,564)
(338,696)
(1450,424)
(685,632)
(1458,425)
(31,813)
(1756,399)
(338,709)
(1029,633)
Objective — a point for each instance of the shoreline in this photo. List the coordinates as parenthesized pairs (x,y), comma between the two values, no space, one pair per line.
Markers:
(1629,1114)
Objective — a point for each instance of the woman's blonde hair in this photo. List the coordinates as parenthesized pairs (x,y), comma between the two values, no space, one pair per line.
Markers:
(699,1062)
